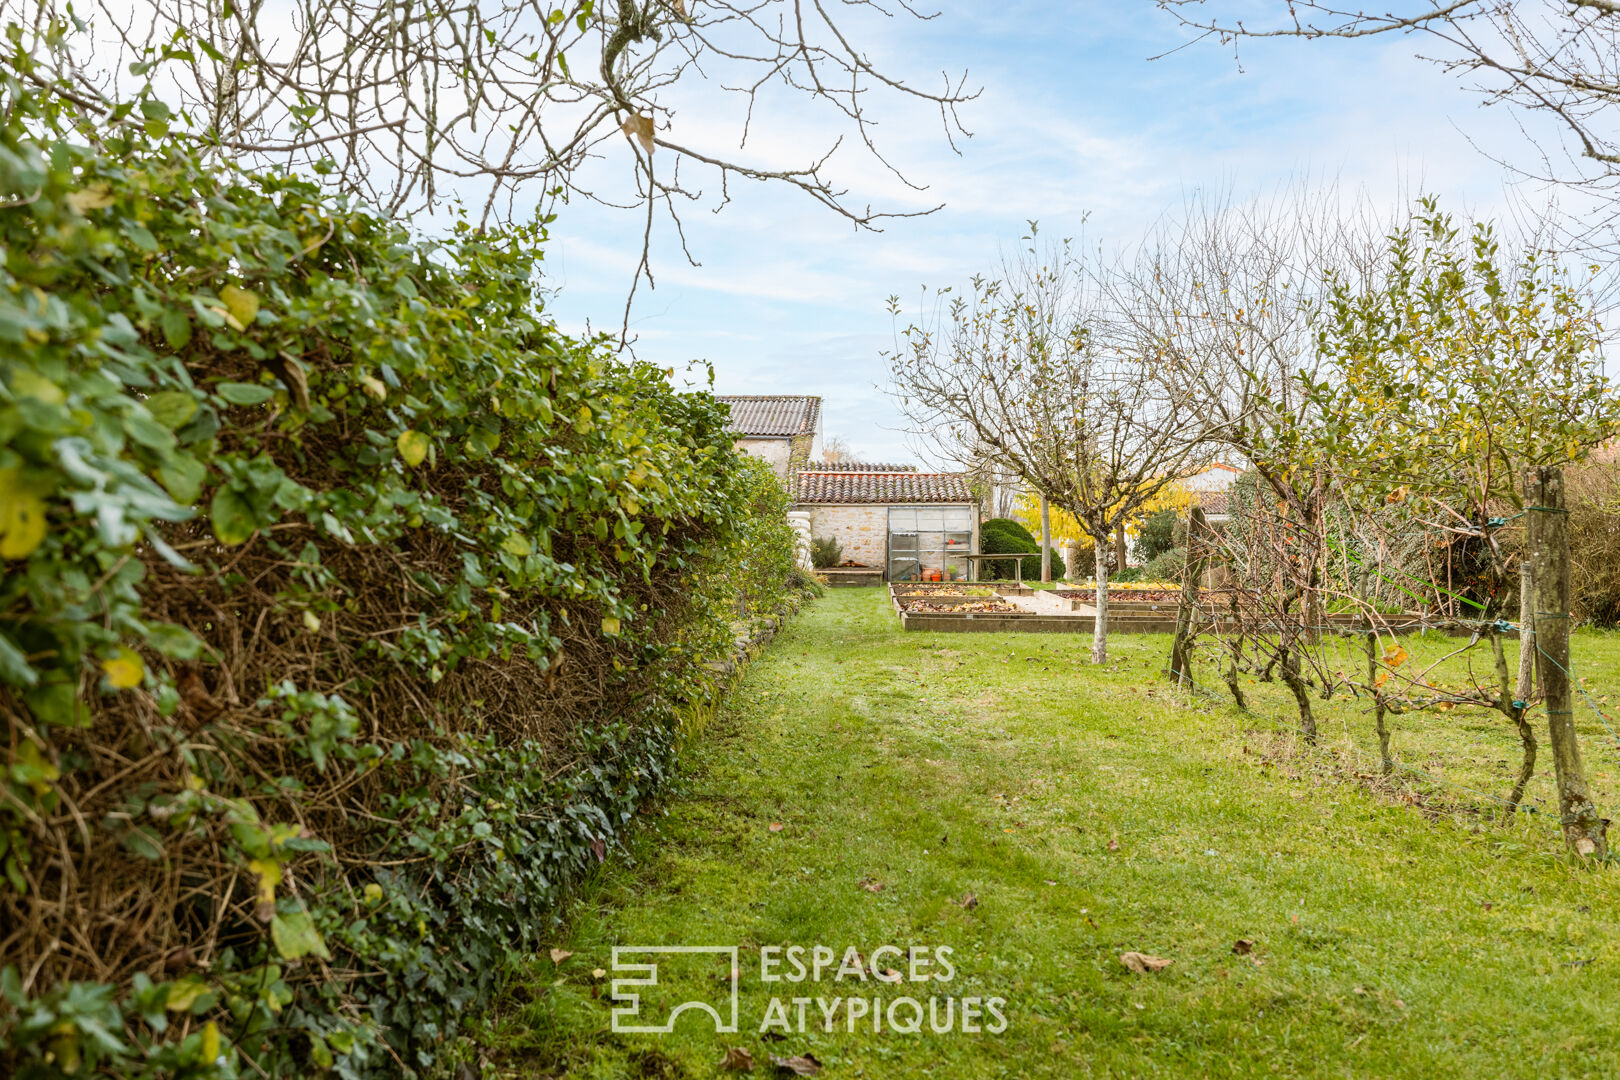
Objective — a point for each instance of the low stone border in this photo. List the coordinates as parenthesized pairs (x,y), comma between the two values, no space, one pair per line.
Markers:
(750,636)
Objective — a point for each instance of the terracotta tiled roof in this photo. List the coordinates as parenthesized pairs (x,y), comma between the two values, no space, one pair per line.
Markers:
(881,487)
(857,466)
(774,415)
(1214,502)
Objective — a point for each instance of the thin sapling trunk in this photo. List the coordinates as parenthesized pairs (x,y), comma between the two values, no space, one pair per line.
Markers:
(1099,633)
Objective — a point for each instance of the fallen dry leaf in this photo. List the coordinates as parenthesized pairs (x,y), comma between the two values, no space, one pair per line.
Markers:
(641,129)
(1243,946)
(1113,845)
(738,1059)
(803,1065)
(559,955)
(1142,963)
(776,826)
(871,884)
(968,902)
(598,973)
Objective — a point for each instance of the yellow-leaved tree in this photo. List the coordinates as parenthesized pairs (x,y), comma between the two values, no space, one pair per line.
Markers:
(1175,496)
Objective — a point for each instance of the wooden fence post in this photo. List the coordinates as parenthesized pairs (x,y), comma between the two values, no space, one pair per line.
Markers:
(1192,573)
(1584,830)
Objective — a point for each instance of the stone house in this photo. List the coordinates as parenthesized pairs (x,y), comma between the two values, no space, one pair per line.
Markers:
(782,429)
(902,524)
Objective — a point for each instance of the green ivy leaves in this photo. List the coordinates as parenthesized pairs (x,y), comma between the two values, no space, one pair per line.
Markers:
(232,517)
(413,447)
(22,515)
(295,936)
(520,479)
(244,393)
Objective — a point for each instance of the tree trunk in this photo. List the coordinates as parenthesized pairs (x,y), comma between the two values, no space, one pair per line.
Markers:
(1122,550)
(1514,709)
(1291,677)
(1232,682)
(1519,703)
(1387,762)
(1046,539)
(1313,548)
(1527,622)
(1192,573)
(1099,633)
(1584,830)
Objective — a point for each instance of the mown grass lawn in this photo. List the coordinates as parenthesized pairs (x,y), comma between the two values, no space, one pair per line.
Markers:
(1088,813)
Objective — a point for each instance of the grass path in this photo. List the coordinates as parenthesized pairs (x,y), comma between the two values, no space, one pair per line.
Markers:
(1090,813)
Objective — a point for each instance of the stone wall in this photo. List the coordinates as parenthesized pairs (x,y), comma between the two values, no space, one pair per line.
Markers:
(863,530)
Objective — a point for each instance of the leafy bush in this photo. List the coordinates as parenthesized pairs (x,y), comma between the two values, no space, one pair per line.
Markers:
(826,551)
(766,545)
(1157,534)
(1166,566)
(1006,535)
(349,609)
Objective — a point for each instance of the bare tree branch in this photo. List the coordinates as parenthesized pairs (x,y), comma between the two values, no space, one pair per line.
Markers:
(497,104)
(1558,58)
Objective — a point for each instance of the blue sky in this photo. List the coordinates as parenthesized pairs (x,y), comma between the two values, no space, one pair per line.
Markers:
(1074,119)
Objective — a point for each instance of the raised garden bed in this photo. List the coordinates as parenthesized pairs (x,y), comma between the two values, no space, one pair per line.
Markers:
(839,576)
(1029,622)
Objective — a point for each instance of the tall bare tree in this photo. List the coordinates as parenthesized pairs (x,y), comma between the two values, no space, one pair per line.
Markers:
(1223,299)
(1026,371)
(835,449)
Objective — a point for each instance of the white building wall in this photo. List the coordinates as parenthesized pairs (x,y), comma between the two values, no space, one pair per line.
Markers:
(1214,478)
(774,451)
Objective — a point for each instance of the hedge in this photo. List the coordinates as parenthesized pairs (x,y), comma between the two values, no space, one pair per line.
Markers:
(999,535)
(349,609)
